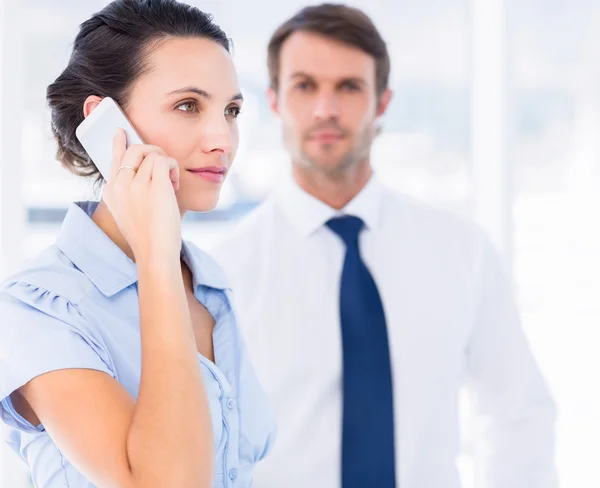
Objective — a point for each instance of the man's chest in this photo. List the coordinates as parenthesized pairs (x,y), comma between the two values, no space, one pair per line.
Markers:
(289,312)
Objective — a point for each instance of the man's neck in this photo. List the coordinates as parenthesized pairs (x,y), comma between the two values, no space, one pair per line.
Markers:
(335,190)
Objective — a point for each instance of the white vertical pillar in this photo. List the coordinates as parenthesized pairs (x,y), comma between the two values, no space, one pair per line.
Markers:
(491,172)
(12,208)
(491,168)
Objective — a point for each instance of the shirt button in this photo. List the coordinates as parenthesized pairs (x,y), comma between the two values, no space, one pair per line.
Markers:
(230,403)
(233,474)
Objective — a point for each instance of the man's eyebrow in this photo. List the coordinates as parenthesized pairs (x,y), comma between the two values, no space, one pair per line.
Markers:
(355,79)
(300,74)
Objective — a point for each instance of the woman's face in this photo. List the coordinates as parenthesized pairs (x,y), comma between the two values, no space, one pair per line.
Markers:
(188,103)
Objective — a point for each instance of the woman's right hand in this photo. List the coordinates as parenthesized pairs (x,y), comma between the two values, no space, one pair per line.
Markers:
(141,198)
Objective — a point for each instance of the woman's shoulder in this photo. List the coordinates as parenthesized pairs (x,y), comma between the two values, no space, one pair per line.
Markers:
(40,306)
(42,328)
(47,278)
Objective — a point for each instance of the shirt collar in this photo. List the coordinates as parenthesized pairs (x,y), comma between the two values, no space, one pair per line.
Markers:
(205,270)
(107,266)
(308,214)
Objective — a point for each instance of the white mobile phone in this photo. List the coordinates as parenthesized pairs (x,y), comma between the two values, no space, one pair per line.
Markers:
(97,131)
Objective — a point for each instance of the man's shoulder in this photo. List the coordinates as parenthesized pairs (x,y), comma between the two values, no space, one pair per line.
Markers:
(432,224)
(405,206)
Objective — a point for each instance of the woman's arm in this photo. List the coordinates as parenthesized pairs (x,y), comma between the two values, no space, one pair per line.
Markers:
(165,438)
(172,402)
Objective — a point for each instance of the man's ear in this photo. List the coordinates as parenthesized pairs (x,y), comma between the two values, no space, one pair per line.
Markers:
(384,100)
(273,102)
(90,104)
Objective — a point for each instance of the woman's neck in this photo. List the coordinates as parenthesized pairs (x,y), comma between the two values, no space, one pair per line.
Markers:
(104,219)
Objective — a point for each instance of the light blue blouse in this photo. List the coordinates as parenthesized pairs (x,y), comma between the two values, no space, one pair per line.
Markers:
(76,306)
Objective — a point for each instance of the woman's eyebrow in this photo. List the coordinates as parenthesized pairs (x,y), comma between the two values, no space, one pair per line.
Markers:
(203,93)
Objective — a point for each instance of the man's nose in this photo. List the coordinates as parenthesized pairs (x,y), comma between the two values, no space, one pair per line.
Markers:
(326,106)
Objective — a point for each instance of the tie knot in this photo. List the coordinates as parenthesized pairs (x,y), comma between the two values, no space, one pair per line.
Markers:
(347,228)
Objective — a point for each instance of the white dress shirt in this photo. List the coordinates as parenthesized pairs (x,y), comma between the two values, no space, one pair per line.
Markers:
(451,322)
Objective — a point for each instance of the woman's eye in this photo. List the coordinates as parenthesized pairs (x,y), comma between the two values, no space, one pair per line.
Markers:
(189,107)
(233,112)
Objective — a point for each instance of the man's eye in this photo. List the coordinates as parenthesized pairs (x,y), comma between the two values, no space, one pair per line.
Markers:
(350,86)
(304,86)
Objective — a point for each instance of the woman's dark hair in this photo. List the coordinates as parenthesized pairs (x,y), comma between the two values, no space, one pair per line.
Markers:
(109,54)
(339,22)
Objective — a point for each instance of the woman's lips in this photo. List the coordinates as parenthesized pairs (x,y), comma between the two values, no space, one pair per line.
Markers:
(215,174)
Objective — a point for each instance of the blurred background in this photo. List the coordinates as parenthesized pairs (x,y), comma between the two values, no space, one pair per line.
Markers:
(496,116)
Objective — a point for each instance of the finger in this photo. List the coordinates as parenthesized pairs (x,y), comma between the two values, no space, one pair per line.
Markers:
(162,170)
(174,174)
(145,170)
(119,149)
(133,158)
(136,153)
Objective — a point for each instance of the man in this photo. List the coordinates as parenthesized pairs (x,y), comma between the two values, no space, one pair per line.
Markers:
(364,311)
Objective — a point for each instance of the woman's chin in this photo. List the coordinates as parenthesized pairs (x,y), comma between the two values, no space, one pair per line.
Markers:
(200,204)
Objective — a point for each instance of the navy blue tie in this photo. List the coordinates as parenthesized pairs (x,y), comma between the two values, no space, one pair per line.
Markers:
(368,417)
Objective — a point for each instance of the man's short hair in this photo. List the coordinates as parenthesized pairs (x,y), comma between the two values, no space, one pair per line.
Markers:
(339,22)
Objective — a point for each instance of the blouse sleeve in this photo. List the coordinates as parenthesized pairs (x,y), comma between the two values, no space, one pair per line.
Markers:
(40,332)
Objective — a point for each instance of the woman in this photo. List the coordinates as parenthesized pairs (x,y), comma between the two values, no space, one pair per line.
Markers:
(121,363)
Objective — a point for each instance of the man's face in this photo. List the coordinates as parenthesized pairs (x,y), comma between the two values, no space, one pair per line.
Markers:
(327,102)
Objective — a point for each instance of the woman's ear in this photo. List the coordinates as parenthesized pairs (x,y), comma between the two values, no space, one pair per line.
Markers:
(90,104)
